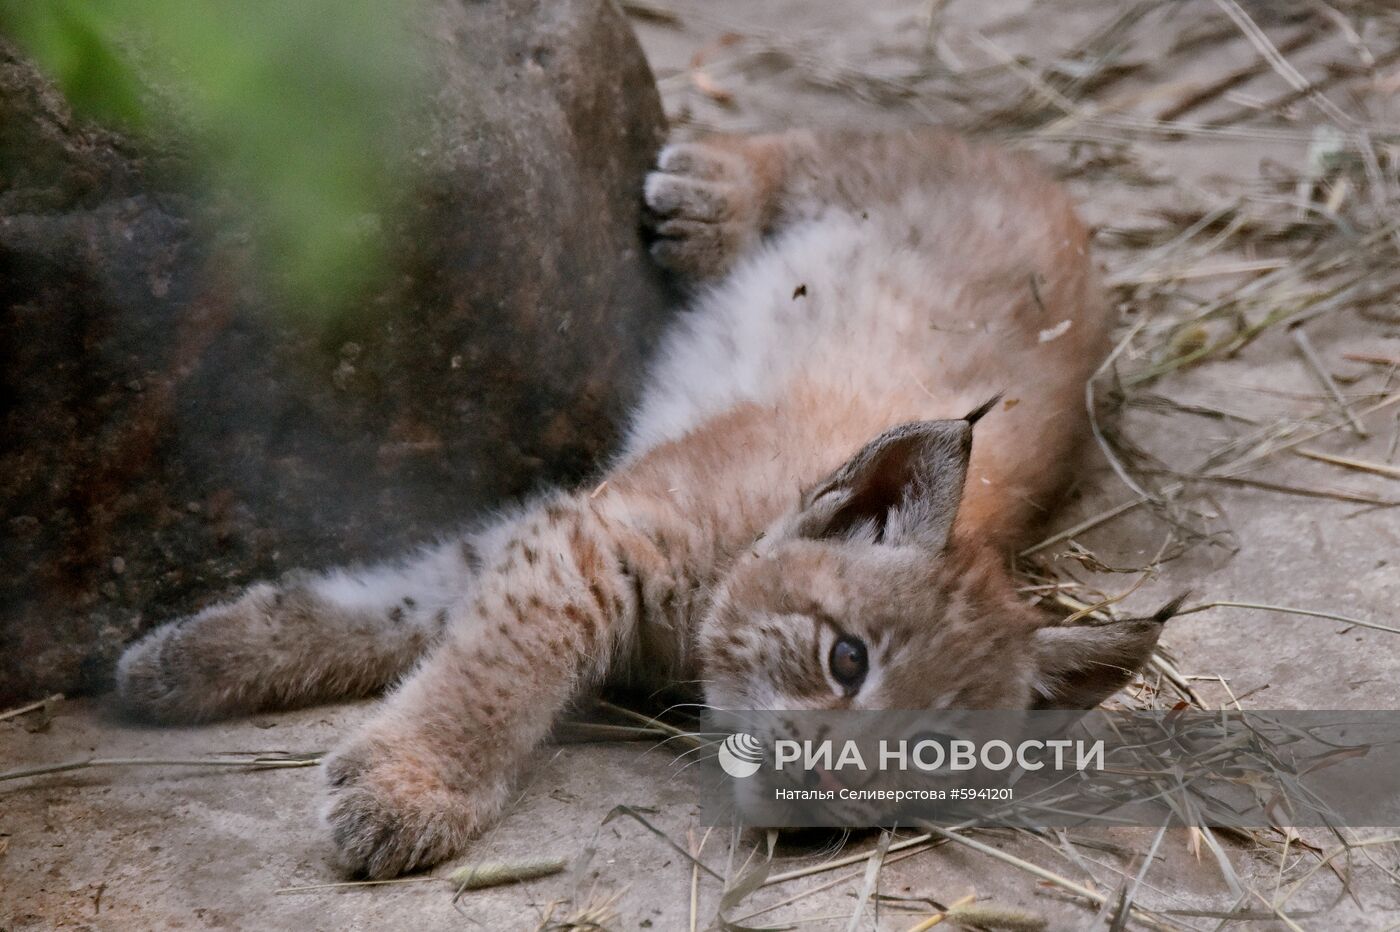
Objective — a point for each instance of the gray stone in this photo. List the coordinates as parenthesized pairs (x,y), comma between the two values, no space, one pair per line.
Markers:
(170,436)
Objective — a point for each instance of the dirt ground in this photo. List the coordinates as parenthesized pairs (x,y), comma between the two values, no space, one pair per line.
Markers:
(199,847)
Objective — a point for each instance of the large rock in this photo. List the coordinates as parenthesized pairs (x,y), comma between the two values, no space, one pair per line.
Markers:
(168,437)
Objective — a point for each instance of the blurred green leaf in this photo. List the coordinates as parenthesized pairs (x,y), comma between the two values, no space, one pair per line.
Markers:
(300,109)
(69,39)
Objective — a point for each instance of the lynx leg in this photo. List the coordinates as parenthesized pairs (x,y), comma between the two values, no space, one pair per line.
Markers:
(438,760)
(436,764)
(319,638)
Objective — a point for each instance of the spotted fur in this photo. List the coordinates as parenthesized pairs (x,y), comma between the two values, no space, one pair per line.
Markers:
(803,467)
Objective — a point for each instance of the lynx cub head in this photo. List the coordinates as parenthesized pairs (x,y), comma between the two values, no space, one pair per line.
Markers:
(863,597)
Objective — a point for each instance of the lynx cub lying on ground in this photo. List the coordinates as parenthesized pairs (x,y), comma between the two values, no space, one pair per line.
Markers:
(800,519)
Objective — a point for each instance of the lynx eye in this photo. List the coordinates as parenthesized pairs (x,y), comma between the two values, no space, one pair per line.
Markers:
(849,662)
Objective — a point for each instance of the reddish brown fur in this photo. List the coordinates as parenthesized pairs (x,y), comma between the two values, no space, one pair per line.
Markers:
(723,551)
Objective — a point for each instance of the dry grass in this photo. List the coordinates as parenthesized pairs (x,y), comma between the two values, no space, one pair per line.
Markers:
(1310,242)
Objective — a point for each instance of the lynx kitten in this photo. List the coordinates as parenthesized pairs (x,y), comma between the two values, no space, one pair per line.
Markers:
(801,517)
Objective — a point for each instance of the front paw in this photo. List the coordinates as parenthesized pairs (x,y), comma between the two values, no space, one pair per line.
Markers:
(393,810)
(704,207)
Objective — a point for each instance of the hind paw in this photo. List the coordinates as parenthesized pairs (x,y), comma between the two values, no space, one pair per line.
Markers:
(194,669)
(705,207)
(148,676)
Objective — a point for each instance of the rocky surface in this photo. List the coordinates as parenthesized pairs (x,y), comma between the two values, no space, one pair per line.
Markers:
(205,848)
(170,433)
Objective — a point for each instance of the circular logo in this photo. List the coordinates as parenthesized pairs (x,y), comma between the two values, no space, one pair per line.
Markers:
(741,755)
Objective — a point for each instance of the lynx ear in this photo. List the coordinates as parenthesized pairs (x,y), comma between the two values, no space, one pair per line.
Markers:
(903,487)
(1080,666)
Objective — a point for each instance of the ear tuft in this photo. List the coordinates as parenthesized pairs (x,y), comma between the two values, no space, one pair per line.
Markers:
(975,415)
(1168,611)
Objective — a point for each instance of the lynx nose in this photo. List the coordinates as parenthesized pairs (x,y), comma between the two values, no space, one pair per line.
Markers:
(819,778)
